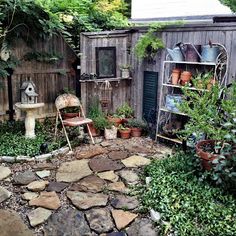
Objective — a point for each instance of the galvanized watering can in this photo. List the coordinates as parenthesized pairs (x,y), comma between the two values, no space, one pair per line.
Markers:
(210,53)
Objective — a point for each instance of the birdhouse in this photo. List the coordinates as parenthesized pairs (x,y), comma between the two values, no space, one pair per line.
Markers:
(28,94)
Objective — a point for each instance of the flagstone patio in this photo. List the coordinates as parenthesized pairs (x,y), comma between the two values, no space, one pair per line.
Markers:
(82,194)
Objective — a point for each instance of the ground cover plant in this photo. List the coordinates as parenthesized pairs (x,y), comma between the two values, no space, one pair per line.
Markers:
(187,205)
(14,143)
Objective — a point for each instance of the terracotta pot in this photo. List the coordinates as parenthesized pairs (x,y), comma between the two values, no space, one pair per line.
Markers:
(206,157)
(114,120)
(69,115)
(125,134)
(211,83)
(175,76)
(95,132)
(185,77)
(136,132)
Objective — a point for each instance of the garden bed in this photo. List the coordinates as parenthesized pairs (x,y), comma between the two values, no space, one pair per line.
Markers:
(187,205)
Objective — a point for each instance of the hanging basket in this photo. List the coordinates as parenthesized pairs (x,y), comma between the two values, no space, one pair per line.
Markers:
(105,96)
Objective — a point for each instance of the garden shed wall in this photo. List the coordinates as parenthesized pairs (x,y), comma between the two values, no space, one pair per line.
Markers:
(223,33)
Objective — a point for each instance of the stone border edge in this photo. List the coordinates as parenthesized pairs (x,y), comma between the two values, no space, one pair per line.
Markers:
(42,157)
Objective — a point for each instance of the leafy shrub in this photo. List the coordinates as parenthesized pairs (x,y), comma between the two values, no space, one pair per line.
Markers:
(125,111)
(187,205)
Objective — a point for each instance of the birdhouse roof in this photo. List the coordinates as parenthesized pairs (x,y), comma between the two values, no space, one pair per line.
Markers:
(31,94)
(26,84)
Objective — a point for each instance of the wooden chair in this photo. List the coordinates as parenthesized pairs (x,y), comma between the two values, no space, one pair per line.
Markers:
(69,100)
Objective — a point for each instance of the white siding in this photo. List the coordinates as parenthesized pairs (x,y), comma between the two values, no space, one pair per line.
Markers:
(144,9)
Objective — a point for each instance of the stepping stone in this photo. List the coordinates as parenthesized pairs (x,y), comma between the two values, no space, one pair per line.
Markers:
(124,202)
(43,174)
(73,171)
(116,234)
(118,155)
(56,186)
(123,218)
(106,144)
(4,172)
(48,200)
(44,166)
(24,178)
(70,222)
(109,175)
(136,161)
(37,186)
(29,196)
(118,187)
(136,149)
(129,176)
(99,164)
(142,227)
(4,194)
(87,200)
(99,220)
(12,225)
(38,216)
(91,184)
(95,151)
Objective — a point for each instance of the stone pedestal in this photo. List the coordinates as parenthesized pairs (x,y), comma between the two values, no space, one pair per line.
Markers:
(30,110)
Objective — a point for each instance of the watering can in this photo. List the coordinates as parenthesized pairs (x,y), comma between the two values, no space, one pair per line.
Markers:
(210,53)
(185,52)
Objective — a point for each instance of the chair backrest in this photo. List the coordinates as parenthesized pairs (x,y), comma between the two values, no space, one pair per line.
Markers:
(67,100)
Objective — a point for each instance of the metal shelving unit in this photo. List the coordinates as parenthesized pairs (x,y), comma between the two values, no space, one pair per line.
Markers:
(165,115)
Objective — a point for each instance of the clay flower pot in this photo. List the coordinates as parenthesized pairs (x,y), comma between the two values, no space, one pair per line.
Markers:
(136,132)
(125,133)
(114,120)
(175,76)
(95,132)
(185,77)
(69,115)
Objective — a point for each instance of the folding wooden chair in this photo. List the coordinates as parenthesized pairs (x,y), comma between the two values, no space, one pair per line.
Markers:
(69,100)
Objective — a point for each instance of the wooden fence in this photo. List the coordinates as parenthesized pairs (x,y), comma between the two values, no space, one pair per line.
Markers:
(50,78)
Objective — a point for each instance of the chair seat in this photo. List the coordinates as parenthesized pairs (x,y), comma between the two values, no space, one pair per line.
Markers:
(76,121)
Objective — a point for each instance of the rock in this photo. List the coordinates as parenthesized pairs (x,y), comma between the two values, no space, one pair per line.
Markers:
(56,186)
(142,227)
(136,161)
(4,194)
(108,175)
(87,200)
(155,216)
(148,180)
(38,216)
(118,186)
(118,155)
(42,174)
(95,151)
(106,144)
(12,225)
(69,222)
(116,234)
(91,184)
(99,220)
(24,178)
(124,202)
(123,218)
(37,186)
(4,172)
(99,164)
(48,200)
(29,196)
(73,171)
(136,149)
(44,166)
(129,176)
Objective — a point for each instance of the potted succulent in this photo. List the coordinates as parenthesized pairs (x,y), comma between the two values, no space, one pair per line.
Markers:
(212,116)
(125,71)
(137,126)
(124,132)
(125,111)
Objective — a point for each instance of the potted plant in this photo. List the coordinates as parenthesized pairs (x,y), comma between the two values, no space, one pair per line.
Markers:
(125,111)
(204,80)
(213,116)
(125,71)
(124,132)
(115,119)
(137,126)
(110,131)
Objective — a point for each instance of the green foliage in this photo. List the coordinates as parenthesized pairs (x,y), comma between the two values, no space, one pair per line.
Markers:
(43,57)
(188,206)
(148,44)
(137,123)
(125,111)
(230,3)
